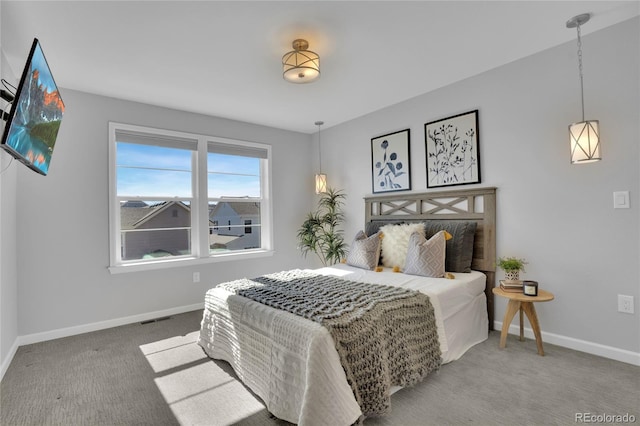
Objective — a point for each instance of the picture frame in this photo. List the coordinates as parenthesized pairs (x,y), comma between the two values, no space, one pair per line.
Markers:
(390,162)
(452,147)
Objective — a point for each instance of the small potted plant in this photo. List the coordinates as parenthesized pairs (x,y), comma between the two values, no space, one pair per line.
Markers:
(511,267)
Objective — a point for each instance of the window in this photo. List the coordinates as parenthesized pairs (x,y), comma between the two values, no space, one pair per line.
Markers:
(170,190)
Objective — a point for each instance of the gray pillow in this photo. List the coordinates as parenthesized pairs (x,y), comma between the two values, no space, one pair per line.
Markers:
(365,251)
(459,248)
(373,227)
(426,257)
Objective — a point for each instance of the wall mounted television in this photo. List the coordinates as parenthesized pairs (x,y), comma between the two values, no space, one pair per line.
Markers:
(32,125)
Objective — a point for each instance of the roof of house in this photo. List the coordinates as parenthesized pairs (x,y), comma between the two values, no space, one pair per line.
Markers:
(135,213)
(241,208)
(134,203)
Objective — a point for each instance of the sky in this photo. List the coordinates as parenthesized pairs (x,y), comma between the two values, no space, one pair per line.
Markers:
(153,171)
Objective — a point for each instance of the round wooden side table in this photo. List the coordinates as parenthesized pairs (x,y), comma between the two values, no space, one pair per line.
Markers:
(519,302)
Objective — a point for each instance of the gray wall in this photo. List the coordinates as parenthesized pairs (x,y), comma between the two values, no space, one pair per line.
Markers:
(55,244)
(63,240)
(8,259)
(558,216)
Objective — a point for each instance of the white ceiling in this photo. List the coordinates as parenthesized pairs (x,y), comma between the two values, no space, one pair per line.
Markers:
(224,58)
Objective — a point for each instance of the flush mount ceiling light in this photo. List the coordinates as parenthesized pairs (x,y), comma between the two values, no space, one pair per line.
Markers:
(585,135)
(300,65)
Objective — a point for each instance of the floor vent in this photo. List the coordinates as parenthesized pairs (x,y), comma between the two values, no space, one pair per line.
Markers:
(155,320)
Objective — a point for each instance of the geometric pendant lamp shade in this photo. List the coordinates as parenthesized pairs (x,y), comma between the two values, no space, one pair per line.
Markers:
(321,178)
(585,142)
(585,135)
(321,183)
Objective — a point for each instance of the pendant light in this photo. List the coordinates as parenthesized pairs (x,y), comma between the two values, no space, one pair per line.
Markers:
(585,135)
(321,178)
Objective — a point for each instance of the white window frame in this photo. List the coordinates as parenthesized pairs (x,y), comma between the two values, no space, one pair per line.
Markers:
(199,206)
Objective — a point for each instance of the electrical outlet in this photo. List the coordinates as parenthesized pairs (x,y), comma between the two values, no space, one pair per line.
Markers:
(625,304)
(196,277)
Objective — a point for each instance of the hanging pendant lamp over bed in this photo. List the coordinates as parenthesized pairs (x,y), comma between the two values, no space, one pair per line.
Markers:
(321,178)
(585,135)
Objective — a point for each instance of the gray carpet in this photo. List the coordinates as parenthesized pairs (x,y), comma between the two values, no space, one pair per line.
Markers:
(154,374)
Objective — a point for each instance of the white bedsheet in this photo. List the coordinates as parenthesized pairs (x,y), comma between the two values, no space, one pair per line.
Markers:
(291,362)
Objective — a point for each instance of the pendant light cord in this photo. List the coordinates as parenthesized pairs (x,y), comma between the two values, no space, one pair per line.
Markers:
(319,123)
(580,69)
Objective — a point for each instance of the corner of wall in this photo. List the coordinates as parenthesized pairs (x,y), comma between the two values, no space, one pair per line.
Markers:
(8,264)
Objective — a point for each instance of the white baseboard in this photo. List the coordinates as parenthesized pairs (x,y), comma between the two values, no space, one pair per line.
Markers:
(87,328)
(555,339)
(9,358)
(576,344)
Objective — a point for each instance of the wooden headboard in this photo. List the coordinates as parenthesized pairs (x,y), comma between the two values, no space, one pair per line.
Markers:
(477,204)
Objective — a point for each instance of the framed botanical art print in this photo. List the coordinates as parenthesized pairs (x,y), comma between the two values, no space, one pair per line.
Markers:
(390,157)
(452,147)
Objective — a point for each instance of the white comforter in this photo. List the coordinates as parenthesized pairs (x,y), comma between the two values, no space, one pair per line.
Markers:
(291,362)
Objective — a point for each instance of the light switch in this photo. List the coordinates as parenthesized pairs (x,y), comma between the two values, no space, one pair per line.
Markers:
(621,200)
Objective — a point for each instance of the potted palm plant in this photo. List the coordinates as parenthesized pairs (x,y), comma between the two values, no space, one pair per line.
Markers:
(511,267)
(320,232)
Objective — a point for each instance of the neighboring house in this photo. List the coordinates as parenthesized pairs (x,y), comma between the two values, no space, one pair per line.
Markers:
(235,225)
(167,228)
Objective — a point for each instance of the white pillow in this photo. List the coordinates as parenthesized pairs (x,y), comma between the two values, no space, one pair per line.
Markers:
(395,241)
(426,257)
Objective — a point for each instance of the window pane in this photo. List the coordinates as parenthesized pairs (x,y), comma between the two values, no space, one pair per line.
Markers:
(233,186)
(144,170)
(157,157)
(229,222)
(233,176)
(152,230)
(222,163)
(153,183)
(153,164)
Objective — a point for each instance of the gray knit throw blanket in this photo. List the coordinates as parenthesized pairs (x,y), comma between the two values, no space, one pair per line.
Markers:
(385,336)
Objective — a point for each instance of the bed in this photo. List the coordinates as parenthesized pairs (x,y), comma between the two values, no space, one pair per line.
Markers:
(295,365)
